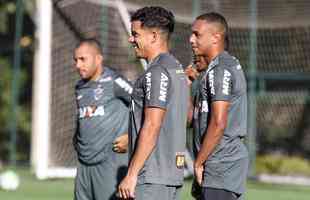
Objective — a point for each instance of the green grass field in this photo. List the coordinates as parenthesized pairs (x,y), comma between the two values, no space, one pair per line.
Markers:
(62,189)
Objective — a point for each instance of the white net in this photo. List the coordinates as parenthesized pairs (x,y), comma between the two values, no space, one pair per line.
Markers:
(71,21)
(282,52)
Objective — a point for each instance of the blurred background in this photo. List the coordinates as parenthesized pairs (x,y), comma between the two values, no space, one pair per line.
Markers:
(271,38)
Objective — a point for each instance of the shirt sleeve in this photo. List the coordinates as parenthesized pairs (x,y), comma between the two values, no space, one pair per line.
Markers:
(122,88)
(157,87)
(219,84)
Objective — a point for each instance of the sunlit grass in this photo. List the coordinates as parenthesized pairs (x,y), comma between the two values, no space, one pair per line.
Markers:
(62,189)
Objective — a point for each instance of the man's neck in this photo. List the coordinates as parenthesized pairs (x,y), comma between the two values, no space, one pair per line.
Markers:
(213,54)
(156,52)
(98,73)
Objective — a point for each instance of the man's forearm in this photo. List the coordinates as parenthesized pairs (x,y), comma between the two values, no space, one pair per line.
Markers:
(210,141)
(147,139)
(215,131)
(146,143)
(190,111)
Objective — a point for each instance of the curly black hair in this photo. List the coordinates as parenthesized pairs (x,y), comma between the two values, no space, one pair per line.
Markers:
(155,17)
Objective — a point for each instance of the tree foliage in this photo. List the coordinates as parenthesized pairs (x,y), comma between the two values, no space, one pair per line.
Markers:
(23,107)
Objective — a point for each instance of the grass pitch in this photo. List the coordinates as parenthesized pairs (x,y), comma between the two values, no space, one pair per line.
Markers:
(62,189)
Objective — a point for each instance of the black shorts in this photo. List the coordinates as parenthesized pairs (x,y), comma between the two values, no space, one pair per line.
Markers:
(150,191)
(218,194)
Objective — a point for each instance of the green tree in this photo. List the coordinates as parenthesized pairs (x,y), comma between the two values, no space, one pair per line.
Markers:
(7,30)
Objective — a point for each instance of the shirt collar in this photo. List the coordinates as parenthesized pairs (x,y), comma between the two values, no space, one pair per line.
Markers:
(215,61)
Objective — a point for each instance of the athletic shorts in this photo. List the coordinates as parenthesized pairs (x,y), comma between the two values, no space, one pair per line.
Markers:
(100,181)
(218,194)
(196,190)
(157,192)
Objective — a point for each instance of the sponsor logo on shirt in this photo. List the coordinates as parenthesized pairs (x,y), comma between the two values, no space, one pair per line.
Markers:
(211,82)
(163,87)
(91,111)
(123,84)
(148,77)
(226,81)
(204,106)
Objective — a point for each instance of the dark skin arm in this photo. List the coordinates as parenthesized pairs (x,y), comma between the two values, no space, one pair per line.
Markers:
(145,145)
(191,73)
(190,110)
(190,107)
(215,131)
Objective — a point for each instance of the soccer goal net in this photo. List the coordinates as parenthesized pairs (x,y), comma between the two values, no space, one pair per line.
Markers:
(269,35)
(62,24)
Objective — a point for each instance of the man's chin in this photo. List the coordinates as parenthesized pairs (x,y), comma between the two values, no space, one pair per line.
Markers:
(85,78)
(139,56)
(197,53)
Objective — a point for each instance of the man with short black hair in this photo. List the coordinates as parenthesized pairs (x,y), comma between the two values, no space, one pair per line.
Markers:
(102,98)
(219,113)
(158,112)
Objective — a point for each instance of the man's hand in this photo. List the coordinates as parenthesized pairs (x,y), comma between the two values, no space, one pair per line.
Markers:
(196,190)
(198,171)
(191,72)
(126,188)
(120,145)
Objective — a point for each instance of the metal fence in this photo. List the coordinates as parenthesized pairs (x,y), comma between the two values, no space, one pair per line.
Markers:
(271,39)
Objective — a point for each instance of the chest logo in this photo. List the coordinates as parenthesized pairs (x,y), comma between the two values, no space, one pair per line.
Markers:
(204,106)
(98,92)
(91,111)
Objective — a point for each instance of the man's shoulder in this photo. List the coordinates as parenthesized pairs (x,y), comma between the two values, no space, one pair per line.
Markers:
(155,70)
(168,61)
(108,71)
(110,75)
(225,60)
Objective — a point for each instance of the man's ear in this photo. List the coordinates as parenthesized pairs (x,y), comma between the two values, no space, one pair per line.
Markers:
(217,37)
(99,59)
(155,36)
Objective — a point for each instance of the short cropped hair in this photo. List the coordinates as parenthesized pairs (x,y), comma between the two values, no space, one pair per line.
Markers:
(92,42)
(213,17)
(155,17)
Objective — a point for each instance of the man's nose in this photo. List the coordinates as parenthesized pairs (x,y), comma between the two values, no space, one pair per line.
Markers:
(78,64)
(191,39)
